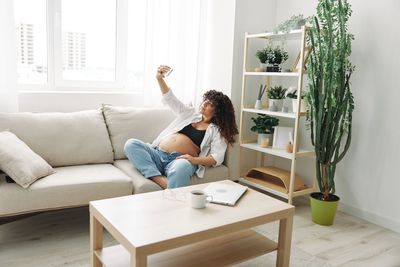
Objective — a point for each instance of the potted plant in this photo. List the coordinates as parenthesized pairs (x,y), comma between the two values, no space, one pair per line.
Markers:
(276,94)
(271,58)
(330,100)
(280,56)
(294,23)
(261,92)
(265,55)
(264,126)
(292,95)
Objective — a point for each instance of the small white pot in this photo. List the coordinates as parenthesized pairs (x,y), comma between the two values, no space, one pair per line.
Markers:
(275,104)
(258,104)
(287,104)
(263,66)
(303,105)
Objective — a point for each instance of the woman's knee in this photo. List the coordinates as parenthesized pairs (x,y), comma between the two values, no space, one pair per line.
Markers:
(182,166)
(132,144)
(179,173)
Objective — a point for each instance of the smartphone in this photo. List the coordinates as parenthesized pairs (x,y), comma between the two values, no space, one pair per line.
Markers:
(167,73)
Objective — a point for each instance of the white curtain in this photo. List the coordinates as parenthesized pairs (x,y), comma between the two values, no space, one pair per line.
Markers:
(8,73)
(173,38)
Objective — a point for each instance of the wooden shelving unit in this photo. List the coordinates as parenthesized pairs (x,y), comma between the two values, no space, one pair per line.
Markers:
(287,191)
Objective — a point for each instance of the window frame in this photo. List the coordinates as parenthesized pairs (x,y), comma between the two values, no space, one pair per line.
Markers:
(55,81)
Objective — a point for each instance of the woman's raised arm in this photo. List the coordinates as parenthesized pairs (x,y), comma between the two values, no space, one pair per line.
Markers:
(168,98)
(162,69)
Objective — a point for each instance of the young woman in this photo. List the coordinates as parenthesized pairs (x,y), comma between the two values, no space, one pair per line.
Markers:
(193,141)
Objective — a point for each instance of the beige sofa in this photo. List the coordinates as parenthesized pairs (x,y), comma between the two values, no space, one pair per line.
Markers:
(86,151)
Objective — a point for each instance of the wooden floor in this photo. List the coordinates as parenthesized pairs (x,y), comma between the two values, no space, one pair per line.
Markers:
(62,239)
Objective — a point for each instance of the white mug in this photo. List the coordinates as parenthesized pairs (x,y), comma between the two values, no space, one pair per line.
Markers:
(198,199)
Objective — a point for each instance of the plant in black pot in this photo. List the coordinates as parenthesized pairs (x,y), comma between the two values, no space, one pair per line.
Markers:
(280,56)
(271,58)
(264,126)
(265,55)
(330,100)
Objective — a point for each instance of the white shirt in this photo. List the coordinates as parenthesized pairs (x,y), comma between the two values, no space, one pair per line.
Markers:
(213,143)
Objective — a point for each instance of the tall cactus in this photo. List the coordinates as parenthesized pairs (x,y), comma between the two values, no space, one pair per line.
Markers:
(329,97)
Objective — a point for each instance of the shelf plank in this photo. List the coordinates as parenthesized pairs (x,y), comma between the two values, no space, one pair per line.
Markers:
(290,115)
(258,185)
(277,192)
(269,150)
(282,74)
(278,152)
(305,153)
(294,34)
(220,251)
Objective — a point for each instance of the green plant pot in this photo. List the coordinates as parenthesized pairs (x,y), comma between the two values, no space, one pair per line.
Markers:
(323,211)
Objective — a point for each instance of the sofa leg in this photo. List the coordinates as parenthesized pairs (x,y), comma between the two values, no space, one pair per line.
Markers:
(14,218)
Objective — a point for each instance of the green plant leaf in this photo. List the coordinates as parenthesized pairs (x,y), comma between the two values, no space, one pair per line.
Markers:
(264,124)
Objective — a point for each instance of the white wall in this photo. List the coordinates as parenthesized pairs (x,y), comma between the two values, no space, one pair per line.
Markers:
(8,92)
(368,180)
(252,17)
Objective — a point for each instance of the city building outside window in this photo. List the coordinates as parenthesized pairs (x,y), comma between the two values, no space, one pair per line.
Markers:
(31,41)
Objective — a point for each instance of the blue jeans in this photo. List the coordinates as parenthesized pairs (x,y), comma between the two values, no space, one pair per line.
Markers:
(152,162)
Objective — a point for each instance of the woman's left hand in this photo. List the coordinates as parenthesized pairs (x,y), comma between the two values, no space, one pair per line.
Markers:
(188,157)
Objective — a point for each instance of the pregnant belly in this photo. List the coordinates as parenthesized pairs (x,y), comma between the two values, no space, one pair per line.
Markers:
(179,143)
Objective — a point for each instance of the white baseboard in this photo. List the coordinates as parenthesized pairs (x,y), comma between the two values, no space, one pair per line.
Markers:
(371,217)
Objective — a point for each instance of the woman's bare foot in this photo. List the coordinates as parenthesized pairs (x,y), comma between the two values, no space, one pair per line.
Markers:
(160,180)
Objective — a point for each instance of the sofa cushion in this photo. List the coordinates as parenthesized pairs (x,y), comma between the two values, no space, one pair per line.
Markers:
(19,161)
(62,139)
(211,174)
(141,184)
(68,187)
(124,123)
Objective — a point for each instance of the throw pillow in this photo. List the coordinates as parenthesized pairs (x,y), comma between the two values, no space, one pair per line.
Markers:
(19,161)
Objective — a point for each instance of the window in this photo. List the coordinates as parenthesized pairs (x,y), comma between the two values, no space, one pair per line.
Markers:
(88,41)
(30,27)
(107,44)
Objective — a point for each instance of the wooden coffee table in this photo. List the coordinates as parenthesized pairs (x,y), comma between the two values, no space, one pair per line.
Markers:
(156,229)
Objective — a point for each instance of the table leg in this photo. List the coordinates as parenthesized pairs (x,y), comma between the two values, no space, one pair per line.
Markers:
(284,241)
(96,240)
(138,260)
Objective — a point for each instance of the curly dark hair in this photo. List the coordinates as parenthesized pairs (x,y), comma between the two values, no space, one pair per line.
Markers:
(224,114)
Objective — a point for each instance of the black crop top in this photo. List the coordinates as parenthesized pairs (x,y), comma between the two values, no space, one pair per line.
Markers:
(195,135)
